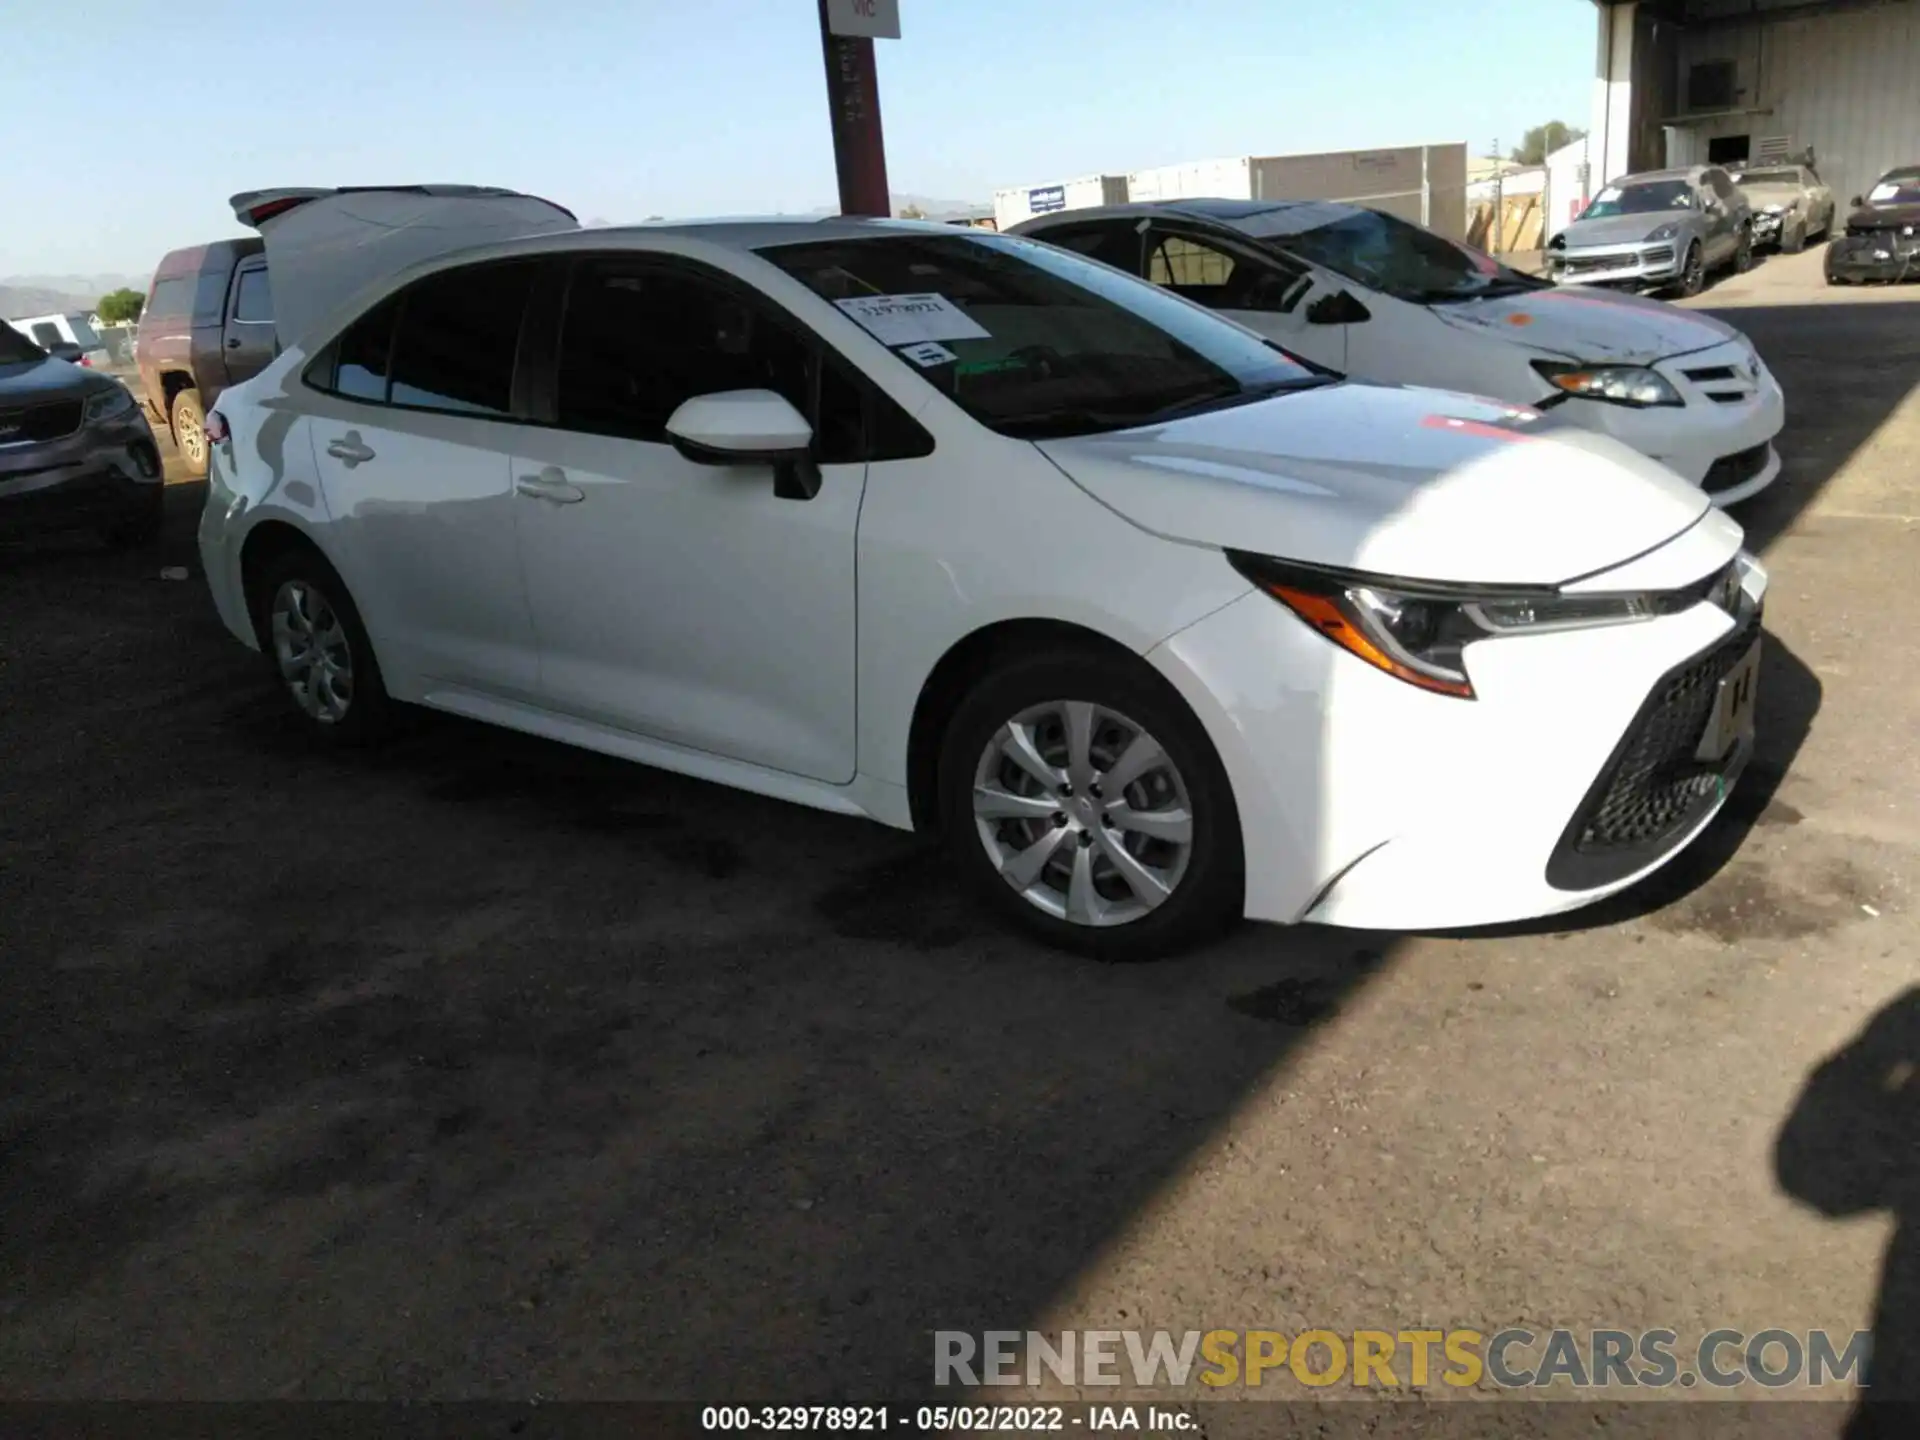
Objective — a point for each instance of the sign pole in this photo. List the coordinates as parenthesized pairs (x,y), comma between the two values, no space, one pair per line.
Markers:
(853,95)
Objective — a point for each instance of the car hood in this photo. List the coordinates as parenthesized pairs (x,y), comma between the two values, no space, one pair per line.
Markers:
(34,382)
(1420,484)
(1621,229)
(323,245)
(1590,325)
(1884,217)
(1761,196)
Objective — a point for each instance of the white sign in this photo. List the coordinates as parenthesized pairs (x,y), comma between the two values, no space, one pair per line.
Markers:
(872,19)
(929,353)
(912,319)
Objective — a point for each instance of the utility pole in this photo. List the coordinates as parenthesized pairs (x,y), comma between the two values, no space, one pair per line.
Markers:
(847,31)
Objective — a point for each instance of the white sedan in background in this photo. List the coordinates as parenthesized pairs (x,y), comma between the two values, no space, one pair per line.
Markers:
(1372,296)
(960,532)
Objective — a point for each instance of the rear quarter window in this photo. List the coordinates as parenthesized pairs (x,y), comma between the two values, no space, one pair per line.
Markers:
(172,297)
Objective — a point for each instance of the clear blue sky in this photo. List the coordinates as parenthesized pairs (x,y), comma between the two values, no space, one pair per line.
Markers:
(128,137)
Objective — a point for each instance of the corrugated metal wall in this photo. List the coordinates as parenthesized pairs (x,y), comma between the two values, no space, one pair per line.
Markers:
(1846,83)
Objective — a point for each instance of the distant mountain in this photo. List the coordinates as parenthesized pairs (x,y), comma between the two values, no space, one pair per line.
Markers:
(24,295)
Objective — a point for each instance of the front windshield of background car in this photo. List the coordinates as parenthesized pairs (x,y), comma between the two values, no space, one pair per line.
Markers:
(1766,177)
(1386,254)
(16,349)
(1901,187)
(1034,341)
(1642,199)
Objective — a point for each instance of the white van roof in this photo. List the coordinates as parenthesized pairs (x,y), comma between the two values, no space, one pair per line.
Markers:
(326,244)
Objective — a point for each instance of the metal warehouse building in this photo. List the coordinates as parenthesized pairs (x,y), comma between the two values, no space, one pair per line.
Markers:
(1683,82)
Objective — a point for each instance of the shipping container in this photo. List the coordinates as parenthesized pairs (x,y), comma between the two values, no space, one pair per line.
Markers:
(1023,202)
(1426,184)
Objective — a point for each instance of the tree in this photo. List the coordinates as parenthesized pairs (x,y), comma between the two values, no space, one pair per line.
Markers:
(912,212)
(1542,140)
(122,306)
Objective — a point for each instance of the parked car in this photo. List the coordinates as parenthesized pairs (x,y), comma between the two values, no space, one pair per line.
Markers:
(1664,230)
(1372,296)
(1883,232)
(964,532)
(75,452)
(207,324)
(1791,206)
(69,336)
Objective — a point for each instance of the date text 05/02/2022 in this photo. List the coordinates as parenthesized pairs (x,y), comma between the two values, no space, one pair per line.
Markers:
(950,1419)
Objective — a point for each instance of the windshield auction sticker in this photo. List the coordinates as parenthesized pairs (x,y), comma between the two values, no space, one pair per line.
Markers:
(912,319)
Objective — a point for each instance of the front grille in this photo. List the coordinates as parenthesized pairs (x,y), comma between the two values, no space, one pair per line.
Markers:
(1586,265)
(1653,790)
(1708,374)
(1736,469)
(40,422)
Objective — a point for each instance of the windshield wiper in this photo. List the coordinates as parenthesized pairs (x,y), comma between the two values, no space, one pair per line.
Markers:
(1236,398)
(1066,421)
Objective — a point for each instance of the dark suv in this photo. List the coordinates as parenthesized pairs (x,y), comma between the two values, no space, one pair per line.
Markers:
(208,324)
(75,451)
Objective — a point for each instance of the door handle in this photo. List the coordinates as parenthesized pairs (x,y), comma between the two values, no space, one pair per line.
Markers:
(234,343)
(551,485)
(351,449)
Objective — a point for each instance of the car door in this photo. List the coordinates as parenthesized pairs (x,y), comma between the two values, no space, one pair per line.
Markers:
(249,342)
(1723,206)
(1283,299)
(684,601)
(413,424)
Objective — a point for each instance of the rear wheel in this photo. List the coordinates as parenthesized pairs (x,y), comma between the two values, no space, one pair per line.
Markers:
(1085,804)
(312,636)
(188,420)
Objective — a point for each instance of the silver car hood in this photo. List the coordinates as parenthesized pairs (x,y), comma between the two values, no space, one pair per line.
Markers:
(1621,229)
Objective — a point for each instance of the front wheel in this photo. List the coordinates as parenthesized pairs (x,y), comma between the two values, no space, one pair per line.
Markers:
(1743,252)
(312,635)
(1083,801)
(1792,242)
(1693,271)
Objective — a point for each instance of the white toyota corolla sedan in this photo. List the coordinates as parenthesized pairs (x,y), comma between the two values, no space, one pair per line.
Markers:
(1155,624)
(1379,299)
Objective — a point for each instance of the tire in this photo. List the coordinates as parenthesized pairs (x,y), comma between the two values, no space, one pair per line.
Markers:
(1118,700)
(187,418)
(141,527)
(1792,242)
(1693,271)
(294,594)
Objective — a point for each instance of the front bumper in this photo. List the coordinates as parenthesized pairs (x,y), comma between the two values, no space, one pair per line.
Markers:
(1646,265)
(1887,258)
(97,475)
(1768,229)
(1367,802)
(1720,439)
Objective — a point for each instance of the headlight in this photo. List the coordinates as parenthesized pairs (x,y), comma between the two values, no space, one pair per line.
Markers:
(1633,385)
(1665,232)
(109,403)
(1419,632)
(1778,209)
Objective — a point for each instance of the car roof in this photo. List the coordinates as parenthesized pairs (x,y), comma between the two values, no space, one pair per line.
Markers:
(1226,212)
(1683,172)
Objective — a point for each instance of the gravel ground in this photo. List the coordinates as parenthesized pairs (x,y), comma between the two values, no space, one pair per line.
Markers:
(484,1068)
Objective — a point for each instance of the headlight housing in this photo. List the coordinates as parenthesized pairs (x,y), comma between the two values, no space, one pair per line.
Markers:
(108,403)
(1778,209)
(1418,631)
(1633,385)
(1664,232)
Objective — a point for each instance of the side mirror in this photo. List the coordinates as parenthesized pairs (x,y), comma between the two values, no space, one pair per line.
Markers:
(65,350)
(1339,308)
(749,427)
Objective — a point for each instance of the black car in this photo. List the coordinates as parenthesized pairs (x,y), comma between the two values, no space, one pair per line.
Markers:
(1883,233)
(75,451)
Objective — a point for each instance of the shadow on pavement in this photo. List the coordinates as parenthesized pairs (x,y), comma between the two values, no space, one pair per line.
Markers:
(1851,1146)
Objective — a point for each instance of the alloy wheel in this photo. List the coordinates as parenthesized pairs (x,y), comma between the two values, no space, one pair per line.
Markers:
(1083,813)
(191,437)
(1696,272)
(310,647)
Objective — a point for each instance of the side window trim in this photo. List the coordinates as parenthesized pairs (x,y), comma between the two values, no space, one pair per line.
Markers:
(875,422)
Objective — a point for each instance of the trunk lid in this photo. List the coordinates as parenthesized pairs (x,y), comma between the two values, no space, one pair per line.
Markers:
(1589,326)
(1420,484)
(324,245)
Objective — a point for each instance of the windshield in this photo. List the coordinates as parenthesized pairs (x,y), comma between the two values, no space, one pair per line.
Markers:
(1640,199)
(15,348)
(1766,177)
(1035,342)
(1900,188)
(1385,253)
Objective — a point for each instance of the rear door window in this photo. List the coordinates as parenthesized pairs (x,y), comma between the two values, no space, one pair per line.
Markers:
(458,335)
(253,300)
(360,362)
(1115,243)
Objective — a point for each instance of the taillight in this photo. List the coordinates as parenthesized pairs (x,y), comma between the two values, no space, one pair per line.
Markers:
(86,362)
(217,430)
